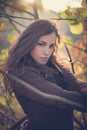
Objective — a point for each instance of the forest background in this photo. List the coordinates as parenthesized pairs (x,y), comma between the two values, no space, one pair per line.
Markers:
(15,16)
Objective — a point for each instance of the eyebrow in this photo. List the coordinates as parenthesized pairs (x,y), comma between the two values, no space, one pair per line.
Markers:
(42,41)
(45,42)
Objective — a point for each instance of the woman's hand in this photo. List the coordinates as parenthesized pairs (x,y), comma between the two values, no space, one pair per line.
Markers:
(84,89)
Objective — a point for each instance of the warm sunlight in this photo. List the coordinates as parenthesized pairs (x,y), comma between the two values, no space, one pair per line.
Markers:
(60,5)
(29,1)
(57,5)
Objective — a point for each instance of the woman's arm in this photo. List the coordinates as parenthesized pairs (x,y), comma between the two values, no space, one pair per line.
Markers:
(74,83)
(50,89)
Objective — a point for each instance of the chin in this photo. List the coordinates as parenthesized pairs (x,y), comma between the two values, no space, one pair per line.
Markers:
(43,63)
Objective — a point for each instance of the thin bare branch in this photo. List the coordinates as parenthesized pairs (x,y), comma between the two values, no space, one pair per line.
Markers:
(10,20)
(6,116)
(18,23)
(84,50)
(6,4)
(72,65)
(78,122)
(62,19)
(3,15)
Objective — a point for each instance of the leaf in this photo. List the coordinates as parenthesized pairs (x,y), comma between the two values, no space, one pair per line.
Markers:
(76,29)
(11,38)
(3,27)
(68,40)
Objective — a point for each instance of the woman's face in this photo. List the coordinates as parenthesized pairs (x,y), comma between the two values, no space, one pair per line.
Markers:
(43,49)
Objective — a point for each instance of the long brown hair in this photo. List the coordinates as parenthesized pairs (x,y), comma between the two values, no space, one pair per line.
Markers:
(20,51)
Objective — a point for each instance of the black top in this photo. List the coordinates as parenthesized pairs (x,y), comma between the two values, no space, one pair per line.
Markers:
(55,80)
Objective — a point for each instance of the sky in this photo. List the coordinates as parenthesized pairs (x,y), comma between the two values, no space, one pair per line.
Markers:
(58,5)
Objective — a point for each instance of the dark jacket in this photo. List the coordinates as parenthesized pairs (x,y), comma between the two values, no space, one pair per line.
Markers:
(55,80)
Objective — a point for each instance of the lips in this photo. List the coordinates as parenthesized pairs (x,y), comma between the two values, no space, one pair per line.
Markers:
(44,59)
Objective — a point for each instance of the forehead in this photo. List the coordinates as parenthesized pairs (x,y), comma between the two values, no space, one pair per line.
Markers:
(48,38)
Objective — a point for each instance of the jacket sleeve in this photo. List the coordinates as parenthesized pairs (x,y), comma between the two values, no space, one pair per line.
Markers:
(74,83)
(50,91)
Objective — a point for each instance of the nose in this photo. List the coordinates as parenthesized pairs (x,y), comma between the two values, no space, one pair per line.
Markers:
(46,51)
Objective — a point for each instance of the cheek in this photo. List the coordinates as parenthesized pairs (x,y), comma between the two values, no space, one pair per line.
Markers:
(35,52)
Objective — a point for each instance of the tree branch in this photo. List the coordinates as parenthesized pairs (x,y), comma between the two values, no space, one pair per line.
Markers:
(6,4)
(6,116)
(10,20)
(72,65)
(3,15)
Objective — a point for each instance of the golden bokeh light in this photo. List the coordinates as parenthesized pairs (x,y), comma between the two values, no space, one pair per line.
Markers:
(57,5)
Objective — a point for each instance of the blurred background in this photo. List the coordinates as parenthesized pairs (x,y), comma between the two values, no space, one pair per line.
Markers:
(70,17)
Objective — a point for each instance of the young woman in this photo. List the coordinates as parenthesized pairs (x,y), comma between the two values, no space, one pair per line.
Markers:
(32,59)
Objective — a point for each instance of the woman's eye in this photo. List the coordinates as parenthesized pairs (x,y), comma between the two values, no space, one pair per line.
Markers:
(52,46)
(41,44)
